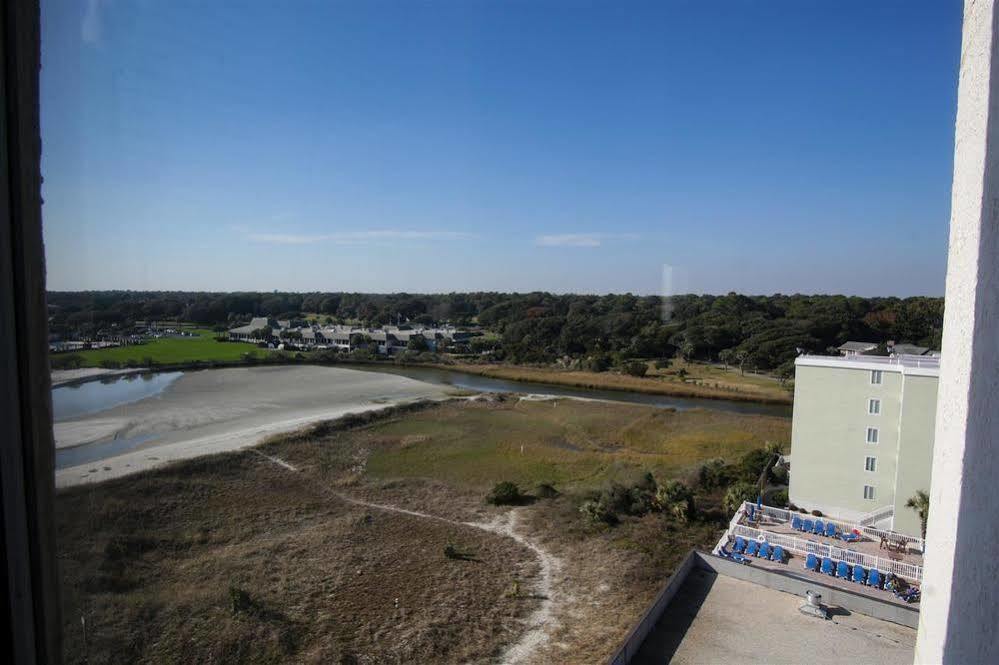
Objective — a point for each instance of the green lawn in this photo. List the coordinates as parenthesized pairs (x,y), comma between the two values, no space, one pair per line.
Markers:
(172,350)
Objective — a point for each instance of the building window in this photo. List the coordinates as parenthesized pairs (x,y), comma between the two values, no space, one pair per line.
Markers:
(872,435)
(871,464)
(876,377)
(868,492)
(874,407)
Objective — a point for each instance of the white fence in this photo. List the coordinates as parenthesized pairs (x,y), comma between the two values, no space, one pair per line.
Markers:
(876,516)
(908,571)
(781,515)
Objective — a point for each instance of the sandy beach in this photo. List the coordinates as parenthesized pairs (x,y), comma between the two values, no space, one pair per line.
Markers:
(227,409)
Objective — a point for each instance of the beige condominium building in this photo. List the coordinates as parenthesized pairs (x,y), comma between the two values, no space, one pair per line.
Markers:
(862,436)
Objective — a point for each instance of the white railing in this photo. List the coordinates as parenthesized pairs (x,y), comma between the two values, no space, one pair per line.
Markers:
(907,571)
(910,542)
(787,516)
(876,516)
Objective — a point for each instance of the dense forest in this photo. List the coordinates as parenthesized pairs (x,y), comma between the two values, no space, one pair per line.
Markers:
(763,332)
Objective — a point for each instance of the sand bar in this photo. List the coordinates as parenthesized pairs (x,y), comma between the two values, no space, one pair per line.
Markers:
(213,411)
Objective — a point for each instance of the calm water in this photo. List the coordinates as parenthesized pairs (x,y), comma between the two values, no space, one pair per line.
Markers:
(490,385)
(69,402)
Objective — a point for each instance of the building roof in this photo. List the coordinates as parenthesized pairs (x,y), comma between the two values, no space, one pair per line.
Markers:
(921,365)
(715,618)
(859,347)
(910,350)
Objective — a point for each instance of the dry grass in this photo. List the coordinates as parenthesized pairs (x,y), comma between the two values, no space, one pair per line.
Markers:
(232,558)
(572,444)
(705,381)
(152,564)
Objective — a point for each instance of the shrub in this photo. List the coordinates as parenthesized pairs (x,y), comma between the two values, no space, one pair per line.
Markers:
(662,363)
(66,361)
(635,368)
(779,475)
(676,499)
(597,363)
(240,601)
(779,499)
(713,473)
(752,464)
(737,494)
(546,491)
(817,513)
(505,493)
(110,364)
(597,512)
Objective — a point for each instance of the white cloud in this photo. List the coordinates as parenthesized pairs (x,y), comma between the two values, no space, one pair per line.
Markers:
(580,239)
(349,237)
(91,27)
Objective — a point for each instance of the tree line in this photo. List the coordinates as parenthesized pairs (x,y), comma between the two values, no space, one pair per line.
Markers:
(761,332)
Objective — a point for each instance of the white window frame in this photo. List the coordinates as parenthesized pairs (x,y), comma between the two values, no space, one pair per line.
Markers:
(873,494)
(877,436)
(871,464)
(874,406)
(879,375)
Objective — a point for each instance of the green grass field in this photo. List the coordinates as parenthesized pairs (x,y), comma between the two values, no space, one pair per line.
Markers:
(172,350)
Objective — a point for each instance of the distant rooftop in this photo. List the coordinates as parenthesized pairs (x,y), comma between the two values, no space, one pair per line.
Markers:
(896,363)
(858,347)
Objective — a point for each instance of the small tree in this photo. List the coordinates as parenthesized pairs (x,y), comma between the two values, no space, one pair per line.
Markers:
(676,498)
(636,368)
(737,494)
(712,473)
(417,343)
(596,511)
(505,493)
(920,502)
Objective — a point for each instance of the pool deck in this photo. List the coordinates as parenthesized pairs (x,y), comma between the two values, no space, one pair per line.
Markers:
(864,546)
(795,566)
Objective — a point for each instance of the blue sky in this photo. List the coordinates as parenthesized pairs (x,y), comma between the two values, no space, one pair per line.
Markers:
(757,147)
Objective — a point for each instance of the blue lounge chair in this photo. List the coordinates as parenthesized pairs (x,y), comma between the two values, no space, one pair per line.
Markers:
(808,526)
(830,530)
(859,574)
(874,578)
(843,570)
(764,552)
(740,545)
(827,566)
(751,512)
(752,548)
(735,556)
(849,537)
(811,562)
(820,528)
(796,523)
(778,554)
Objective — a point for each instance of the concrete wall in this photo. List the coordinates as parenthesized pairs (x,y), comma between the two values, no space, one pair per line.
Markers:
(633,642)
(885,610)
(960,602)
(829,439)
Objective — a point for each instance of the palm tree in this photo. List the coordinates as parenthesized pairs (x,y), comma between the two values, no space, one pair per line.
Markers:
(920,502)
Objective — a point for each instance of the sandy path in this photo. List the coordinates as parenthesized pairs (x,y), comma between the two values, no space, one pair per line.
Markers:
(221,410)
(542,621)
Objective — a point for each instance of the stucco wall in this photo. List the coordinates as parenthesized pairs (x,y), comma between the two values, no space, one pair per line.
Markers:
(915,453)
(829,439)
